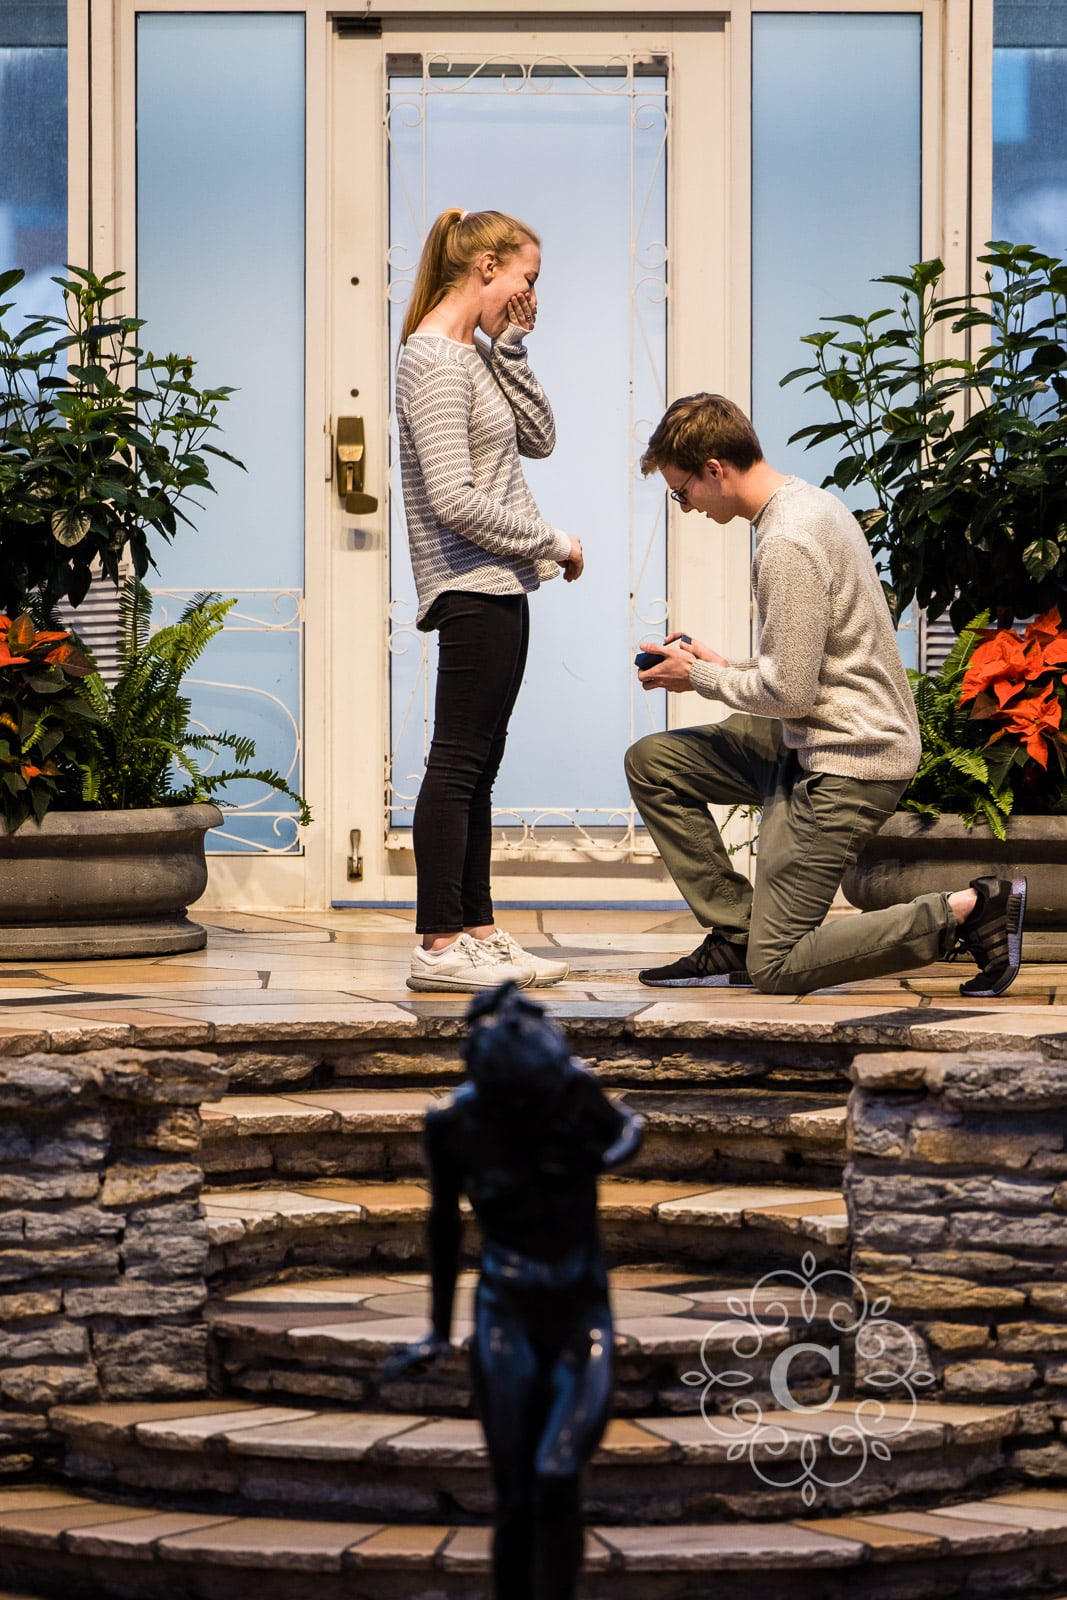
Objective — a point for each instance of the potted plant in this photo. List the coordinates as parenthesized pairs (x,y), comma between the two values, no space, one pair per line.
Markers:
(964,460)
(101,443)
(104,789)
(110,782)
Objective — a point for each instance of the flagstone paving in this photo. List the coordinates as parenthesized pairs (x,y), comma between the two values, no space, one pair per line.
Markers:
(342,973)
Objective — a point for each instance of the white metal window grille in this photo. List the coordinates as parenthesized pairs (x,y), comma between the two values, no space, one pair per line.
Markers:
(265,630)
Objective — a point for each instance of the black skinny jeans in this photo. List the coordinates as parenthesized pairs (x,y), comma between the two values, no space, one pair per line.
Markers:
(482,657)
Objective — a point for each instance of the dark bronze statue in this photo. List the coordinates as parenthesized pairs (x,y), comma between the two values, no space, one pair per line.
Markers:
(525,1138)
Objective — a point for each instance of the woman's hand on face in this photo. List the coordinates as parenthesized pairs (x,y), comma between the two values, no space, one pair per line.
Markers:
(522,310)
(574,565)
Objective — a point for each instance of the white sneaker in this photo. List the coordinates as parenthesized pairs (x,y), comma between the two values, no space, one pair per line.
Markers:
(466,967)
(504,947)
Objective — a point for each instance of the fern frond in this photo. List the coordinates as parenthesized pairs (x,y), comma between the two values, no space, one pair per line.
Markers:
(214,781)
(955,662)
(96,693)
(241,745)
(925,808)
(970,763)
(984,810)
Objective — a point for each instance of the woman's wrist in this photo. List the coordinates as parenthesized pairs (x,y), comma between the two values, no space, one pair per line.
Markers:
(510,341)
(561,549)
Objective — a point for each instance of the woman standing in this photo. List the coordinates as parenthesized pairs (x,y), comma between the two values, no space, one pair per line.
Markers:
(466,412)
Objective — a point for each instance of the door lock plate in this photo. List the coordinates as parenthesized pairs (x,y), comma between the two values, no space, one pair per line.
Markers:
(351,466)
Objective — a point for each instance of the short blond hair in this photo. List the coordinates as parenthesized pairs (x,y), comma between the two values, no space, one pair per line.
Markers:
(452,246)
(700,428)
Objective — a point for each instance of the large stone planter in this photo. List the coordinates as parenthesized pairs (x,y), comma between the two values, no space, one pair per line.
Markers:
(915,855)
(103,883)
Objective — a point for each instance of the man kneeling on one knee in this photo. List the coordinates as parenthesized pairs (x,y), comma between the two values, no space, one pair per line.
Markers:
(824,739)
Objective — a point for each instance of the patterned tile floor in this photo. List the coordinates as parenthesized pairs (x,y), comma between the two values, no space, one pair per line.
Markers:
(262,974)
(267,975)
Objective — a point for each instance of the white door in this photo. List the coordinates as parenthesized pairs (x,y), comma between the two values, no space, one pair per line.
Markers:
(592,137)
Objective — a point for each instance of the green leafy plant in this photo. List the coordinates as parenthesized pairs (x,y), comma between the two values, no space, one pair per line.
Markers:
(965,458)
(139,749)
(41,711)
(991,725)
(101,442)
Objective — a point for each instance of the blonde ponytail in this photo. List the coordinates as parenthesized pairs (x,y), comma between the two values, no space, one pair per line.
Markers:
(452,246)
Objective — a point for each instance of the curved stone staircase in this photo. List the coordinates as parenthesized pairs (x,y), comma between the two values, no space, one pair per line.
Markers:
(303,1475)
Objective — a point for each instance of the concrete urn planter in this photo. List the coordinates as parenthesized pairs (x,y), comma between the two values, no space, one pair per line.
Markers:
(915,855)
(103,883)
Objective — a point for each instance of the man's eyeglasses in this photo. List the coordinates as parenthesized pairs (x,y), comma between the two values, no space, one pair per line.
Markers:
(679,494)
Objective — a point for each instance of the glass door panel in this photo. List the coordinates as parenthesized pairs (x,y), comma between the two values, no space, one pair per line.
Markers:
(227,91)
(576,147)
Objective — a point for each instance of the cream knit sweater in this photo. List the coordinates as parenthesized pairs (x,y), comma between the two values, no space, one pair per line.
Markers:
(828,663)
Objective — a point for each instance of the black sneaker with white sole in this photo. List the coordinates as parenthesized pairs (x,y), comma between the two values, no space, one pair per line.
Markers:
(716,963)
(993,935)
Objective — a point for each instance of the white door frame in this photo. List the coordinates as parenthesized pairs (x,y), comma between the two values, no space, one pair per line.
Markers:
(711,574)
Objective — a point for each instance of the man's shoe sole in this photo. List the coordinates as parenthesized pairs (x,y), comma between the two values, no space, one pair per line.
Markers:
(714,980)
(1016,914)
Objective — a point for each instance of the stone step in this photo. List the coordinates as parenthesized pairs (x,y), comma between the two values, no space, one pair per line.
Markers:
(68,1547)
(324,1339)
(261,1232)
(650,1046)
(720,1133)
(367,1465)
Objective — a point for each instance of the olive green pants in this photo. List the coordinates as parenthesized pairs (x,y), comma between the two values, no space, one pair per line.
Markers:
(814,824)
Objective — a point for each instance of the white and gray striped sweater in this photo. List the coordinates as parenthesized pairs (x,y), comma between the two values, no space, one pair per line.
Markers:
(465,414)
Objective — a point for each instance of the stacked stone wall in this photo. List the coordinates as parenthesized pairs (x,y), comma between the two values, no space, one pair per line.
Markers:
(957,1196)
(102,1240)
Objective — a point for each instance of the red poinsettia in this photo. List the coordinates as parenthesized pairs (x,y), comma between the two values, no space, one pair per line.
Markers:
(22,645)
(43,717)
(1019,685)
(1030,720)
(1003,664)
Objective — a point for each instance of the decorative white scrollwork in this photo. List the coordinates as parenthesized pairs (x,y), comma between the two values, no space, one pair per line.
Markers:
(260,825)
(791,1456)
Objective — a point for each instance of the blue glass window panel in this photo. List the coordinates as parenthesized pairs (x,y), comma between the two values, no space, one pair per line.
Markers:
(1030,145)
(576,713)
(220,274)
(1011,96)
(220,271)
(33,154)
(836,179)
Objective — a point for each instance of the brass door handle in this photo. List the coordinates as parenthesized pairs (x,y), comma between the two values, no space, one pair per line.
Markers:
(351,464)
